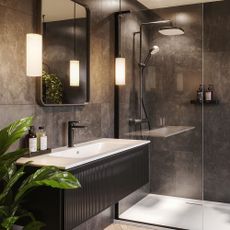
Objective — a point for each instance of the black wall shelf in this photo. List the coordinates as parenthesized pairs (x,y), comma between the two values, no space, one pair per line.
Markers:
(213,102)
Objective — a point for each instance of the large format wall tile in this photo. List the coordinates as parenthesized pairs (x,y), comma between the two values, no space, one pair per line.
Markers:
(24,6)
(11,113)
(15,87)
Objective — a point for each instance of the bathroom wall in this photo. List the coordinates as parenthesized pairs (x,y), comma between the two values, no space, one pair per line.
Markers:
(17,92)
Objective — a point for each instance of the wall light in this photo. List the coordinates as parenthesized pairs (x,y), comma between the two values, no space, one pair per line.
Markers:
(74,65)
(34,55)
(74,73)
(120,71)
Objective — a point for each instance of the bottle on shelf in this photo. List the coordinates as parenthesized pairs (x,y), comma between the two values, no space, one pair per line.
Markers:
(209,93)
(32,139)
(200,93)
(42,139)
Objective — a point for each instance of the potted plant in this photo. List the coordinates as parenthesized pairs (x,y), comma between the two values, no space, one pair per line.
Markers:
(15,184)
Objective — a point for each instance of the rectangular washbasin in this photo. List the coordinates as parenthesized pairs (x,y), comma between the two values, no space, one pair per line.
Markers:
(91,149)
(67,158)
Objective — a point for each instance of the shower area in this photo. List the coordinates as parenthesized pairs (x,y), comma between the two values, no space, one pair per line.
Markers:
(170,51)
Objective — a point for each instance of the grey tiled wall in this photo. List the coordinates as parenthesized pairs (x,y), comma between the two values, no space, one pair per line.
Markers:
(17,92)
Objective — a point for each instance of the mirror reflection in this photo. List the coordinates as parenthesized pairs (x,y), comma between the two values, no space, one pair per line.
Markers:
(65,53)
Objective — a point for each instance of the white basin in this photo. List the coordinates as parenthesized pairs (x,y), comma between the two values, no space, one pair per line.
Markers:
(67,158)
(91,149)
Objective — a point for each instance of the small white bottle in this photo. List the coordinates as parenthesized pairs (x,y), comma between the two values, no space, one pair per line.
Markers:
(32,140)
(42,139)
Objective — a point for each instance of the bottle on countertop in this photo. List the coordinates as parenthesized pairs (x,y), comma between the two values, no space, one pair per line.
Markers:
(42,138)
(209,93)
(200,93)
(32,139)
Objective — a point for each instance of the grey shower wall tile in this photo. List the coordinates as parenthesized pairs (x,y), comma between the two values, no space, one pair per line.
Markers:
(188,174)
(162,173)
(216,184)
(216,155)
(216,26)
(217,72)
(15,87)
(25,6)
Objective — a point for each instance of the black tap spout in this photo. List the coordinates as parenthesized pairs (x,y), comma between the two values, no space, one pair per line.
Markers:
(71,126)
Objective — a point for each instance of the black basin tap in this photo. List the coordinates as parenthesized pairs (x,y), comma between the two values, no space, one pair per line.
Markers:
(71,126)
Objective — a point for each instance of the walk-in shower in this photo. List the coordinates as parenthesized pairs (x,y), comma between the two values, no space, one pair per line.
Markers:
(189,160)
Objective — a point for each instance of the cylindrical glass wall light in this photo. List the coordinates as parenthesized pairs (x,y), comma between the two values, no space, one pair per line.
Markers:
(120,71)
(74,73)
(34,55)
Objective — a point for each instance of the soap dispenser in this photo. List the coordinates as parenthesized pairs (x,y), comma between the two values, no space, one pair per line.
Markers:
(209,93)
(42,139)
(200,93)
(32,139)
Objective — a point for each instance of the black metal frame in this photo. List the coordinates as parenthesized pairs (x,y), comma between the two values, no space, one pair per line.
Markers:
(117,40)
(38,28)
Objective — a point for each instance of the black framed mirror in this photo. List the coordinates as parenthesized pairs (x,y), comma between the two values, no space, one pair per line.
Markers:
(64,25)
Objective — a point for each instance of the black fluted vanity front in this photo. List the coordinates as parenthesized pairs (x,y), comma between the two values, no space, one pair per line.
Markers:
(105,181)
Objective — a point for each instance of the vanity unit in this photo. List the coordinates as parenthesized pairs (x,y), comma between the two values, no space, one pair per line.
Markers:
(108,170)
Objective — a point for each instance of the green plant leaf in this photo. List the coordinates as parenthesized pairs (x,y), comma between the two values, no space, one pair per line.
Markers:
(7,166)
(9,222)
(17,175)
(11,196)
(13,132)
(34,225)
(48,176)
(4,211)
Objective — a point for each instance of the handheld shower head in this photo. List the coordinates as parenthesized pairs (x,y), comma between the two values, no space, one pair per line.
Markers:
(152,51)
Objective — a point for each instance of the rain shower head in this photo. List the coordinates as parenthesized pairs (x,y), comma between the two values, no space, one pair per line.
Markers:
(171,31)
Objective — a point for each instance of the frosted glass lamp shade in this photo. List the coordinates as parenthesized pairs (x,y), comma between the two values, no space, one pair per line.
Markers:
(74,73)
(120,71)
(34,55)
